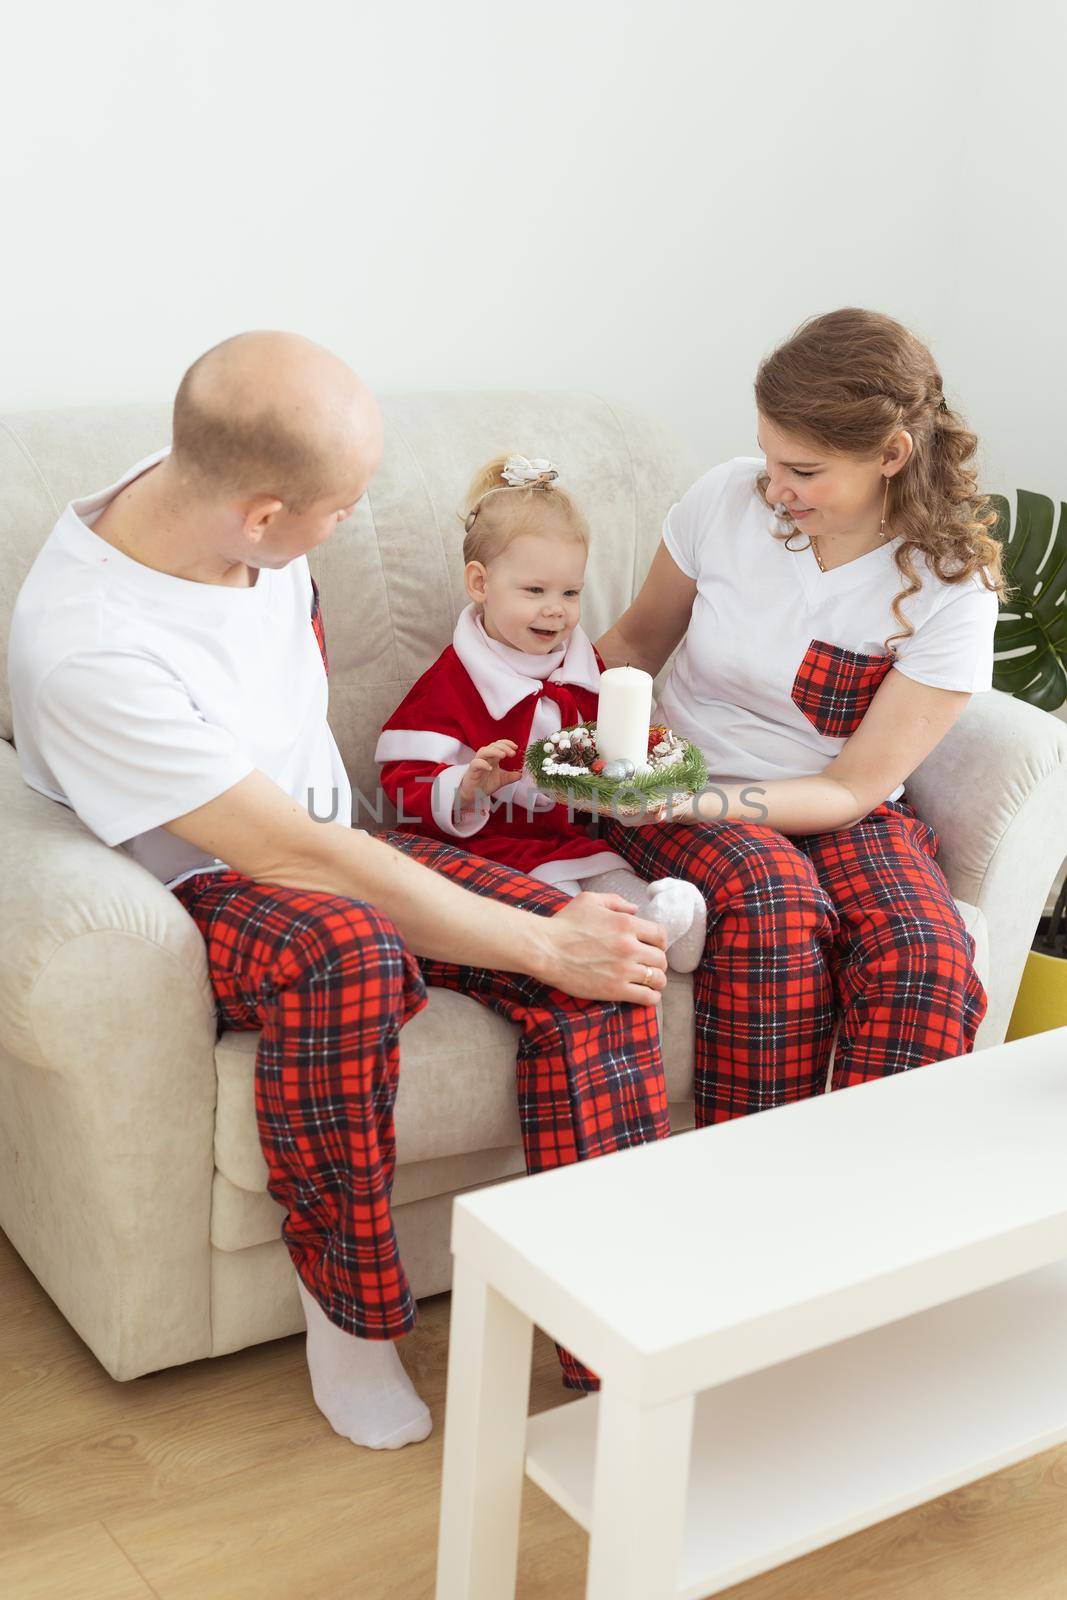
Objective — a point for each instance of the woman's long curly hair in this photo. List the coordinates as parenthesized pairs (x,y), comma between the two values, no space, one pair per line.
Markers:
(847,382)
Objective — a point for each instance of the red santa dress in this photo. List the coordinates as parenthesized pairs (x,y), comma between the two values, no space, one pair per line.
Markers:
(479,690)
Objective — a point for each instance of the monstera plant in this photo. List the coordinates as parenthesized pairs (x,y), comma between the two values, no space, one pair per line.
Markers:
(1031,647)
(1031,639)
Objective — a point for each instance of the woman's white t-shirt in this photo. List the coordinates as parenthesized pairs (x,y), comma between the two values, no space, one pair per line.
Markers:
(781,659)
(139,696)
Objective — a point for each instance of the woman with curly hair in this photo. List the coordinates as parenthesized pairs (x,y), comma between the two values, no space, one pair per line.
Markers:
(838,596)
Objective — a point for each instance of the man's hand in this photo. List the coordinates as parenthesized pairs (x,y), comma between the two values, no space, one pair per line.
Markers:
(599,950)
(484,776)
(594,947)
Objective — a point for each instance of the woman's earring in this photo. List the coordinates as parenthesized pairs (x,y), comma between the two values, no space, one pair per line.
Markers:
(782,515)
(885,497)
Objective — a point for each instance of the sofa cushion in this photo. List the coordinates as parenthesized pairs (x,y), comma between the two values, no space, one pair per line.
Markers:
(457,1121)
(456,1093)
(240,1218)
(457,1083)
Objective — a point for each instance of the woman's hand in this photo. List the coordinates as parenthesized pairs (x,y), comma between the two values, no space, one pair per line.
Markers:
(652,816)
(484,775)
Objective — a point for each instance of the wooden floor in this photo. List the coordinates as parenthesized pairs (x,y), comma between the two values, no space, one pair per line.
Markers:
(220,1481)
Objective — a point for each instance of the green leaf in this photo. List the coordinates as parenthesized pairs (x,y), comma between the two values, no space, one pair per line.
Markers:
(1033,620)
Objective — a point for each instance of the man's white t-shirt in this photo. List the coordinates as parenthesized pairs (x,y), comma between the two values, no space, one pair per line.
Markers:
(139,696)
(779,654)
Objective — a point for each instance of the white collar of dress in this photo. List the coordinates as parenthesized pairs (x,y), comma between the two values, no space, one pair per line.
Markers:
(503,676)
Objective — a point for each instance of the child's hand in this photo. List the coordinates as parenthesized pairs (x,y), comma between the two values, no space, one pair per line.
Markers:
(484,776)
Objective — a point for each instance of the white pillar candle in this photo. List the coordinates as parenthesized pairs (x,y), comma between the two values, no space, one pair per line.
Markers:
(623,716)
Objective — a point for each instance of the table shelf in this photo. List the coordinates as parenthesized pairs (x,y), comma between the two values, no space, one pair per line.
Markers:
(803,1453)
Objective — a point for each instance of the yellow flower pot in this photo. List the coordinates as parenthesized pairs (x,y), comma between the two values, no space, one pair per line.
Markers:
(1042,999)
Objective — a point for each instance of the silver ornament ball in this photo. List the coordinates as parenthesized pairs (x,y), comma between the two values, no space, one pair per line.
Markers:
(618,769)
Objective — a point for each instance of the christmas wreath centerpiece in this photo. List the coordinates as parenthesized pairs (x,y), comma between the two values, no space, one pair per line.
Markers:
(568,766)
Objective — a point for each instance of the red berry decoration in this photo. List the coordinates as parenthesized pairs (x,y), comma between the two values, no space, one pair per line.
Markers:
(597,766)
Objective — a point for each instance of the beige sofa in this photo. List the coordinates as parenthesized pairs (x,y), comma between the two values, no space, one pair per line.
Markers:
(131,1180)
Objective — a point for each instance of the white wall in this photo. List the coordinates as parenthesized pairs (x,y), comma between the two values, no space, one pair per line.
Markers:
(634,196)
(1002,327)
(639,198)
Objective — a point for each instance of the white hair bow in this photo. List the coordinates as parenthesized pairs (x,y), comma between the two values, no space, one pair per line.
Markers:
(518,471)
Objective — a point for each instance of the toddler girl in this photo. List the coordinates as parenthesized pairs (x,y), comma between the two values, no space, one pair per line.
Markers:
(519,667)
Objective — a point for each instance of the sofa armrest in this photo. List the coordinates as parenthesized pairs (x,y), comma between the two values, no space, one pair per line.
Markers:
(72,911)
(995,791)
(107,1084)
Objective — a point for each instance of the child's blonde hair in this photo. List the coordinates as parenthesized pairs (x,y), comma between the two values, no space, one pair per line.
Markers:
(496,513)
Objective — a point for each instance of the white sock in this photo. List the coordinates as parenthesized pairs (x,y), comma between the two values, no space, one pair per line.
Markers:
(678,906)
(683,912)
(359,1384)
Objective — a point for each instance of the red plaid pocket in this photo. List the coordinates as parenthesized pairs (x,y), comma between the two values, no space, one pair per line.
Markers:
(834,687)
(317,627)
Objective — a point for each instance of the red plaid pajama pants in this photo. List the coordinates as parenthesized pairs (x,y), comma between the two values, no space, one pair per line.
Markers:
(330,983)
(857,927)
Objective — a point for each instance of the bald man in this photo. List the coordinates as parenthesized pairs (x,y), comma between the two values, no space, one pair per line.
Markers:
(169,677)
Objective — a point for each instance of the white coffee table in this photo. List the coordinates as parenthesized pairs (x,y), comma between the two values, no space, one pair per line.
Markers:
(804,1321)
